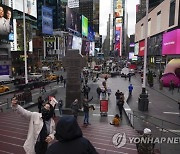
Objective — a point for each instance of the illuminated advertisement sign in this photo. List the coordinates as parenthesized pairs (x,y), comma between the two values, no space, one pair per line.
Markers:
(4,69)
(92,47)
(85,47)
(171,43)
(136,49)
(47,20)
(118,8)
(84,26)
(72,20)
(90,34)
(73,3)
(132,56)
(30,6)
(6,23)
(118,40)
(141,48)
(77,43)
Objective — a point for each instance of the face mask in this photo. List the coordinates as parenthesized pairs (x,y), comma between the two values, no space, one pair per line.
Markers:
(45,114)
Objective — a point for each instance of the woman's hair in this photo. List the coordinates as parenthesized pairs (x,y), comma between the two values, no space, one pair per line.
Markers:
(117,116)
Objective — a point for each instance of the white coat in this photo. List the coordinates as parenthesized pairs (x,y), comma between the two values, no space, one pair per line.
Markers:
(35,126)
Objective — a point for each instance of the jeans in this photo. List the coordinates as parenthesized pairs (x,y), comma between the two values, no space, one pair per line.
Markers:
(86,117)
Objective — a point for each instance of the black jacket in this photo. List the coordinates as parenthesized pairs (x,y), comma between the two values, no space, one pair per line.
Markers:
(70,139)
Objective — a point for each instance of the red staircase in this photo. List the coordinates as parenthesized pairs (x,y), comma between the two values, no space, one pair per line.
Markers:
(14,128)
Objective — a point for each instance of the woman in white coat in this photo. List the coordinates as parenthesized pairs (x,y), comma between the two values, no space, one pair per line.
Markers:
(39,125)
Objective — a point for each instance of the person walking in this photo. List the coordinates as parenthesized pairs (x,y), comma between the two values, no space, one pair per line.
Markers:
(130,88)
(70,139)
(75,108)
(57,79)
(64,83)
(41,127)
(98,90)
(40,103)
(120,103)
(86,90)
(86,107)
(60,105)
(171,86)
(61,79)
(117,94)
(129,76)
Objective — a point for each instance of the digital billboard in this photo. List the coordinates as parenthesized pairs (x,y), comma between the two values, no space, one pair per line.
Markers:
(118,8)
(4,69)
(118,39)
(92,49)
(69,41)
(132,56)
(73,3)
(84,26)
(171,43)
(30,6)
(136,49)
(6,23)
(47,20)
(85,47)
(72,20)
(77,43)
(91,36)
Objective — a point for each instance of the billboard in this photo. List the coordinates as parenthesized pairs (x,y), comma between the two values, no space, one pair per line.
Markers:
(136,49)
(92,49)
(4,69)
(47,20)
(141,48)
(77,43)
(30,6)
(118,39)
(118,8)
(91,36)
(6,23)
(85,47)
(84,26)
(69,41)
(171,43)
(132,56)
(72,20)
(73,3)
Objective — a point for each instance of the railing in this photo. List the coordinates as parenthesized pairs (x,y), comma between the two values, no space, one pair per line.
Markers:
(160,129)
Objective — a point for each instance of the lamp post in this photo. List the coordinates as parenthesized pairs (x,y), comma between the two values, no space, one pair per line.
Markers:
(25,52)
(143,101)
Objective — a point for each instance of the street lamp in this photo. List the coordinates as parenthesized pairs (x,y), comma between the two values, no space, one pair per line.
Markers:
(143,101)
(25,52)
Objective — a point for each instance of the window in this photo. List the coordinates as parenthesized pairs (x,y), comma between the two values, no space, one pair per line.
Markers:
(149,27)
(142,30)
(172,12)
(158,22)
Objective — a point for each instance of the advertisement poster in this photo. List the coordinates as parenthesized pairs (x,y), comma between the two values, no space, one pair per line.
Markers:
(72,20)
(77,43)
(118,8)
(171,43)
(118,41)
(104,106)
(4,69)
(47,20)
(141,48)
(84,26)
(30,6)
(6,23)
(73,3)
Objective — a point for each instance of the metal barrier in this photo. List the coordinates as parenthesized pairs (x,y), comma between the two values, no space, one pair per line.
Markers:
(160,128)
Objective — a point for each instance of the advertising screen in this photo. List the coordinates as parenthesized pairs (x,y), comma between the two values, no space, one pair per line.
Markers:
(90,34)
(84,26)
(136,49)
(30,6)
(47,20)
(118,8)
(73,3)
(72,20)
(77,43)
(92,47)
(85,47)
(4,69)
(141,48)
(132,56)
(171,43)
(6,23)
(118,40)
(69,41)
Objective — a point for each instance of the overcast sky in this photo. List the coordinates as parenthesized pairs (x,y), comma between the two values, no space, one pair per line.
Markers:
(105,9)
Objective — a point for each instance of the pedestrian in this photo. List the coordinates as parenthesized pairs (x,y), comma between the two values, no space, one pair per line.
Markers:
(40,103)
(130,89)
(171,86)
(61,79)
(148,146)
(116,120)
(129,76)
(98,90)
(64,83)
(86,90)
(120,103)
(41,127)
(70,139)
(117,94)
(42,89)
(57,79)
(60,105)
(86,107)
(75,108)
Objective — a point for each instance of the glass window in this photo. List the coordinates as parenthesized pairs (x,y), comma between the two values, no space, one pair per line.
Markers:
(172,12)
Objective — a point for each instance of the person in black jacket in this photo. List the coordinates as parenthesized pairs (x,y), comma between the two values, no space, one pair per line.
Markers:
(70,139)
(86,107)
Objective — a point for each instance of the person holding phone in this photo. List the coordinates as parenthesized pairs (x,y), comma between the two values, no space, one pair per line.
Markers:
(41,127)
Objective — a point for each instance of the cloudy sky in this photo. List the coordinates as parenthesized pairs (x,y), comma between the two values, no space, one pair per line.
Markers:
(105,9)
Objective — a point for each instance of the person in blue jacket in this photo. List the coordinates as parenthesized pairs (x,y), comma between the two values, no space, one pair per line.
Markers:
(130,89)
(70,139)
